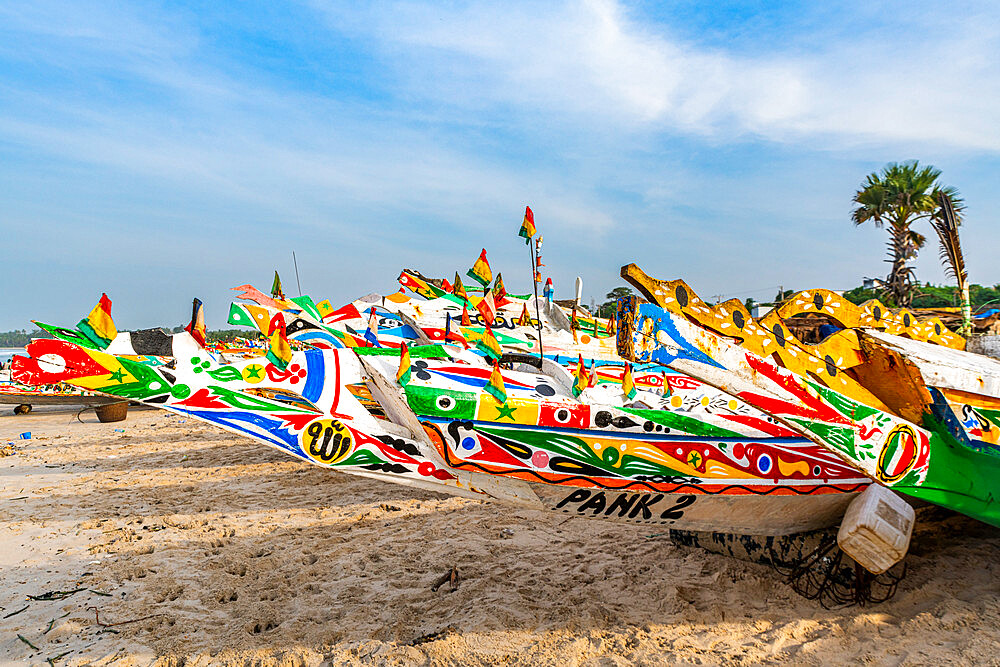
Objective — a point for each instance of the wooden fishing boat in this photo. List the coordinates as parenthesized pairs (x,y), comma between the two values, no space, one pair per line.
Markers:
(541,448)
(860,393)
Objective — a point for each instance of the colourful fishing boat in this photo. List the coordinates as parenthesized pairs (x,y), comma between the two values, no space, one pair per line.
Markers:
(859,393)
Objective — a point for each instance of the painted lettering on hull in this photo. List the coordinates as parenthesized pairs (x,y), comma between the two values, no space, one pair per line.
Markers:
(631,507)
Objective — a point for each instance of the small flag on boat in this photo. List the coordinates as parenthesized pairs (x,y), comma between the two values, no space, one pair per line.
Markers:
(98,327)
(480,271)
(574,324)
(582,381)
(628,383)
(324,308)
(458,289)
(528,226)
(371,333)
(488,344)
(197,326)
(525,319)
(276,287)
(466,320)
(665,384)
(592,380)
(495,386)
(403,374)
(487,308)
(548,291)
(499,291)
(446,286)
(279,351)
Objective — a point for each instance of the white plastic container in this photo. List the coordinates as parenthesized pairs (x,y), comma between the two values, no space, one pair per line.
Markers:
(876,529)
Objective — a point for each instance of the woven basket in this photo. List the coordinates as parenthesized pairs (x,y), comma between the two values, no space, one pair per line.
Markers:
(113,412)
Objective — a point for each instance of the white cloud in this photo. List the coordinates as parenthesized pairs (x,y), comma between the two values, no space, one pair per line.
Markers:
(934,80)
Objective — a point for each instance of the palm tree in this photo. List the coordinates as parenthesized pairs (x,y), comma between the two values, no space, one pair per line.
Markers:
(896,197)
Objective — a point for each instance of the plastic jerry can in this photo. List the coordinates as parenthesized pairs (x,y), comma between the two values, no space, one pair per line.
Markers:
(876,529)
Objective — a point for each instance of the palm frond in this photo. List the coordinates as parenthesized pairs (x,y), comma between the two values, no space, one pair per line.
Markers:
(945,223)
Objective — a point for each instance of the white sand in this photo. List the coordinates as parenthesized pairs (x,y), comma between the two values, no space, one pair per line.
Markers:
(252,558)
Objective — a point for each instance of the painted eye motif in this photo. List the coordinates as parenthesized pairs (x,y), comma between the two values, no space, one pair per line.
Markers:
(445,403)
(764,464)
(562,416)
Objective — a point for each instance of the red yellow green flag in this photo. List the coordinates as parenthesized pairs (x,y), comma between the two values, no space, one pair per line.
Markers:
(98,327)
(488,344)
(276,287)
(458,289)
(197,326)
(528,226)
(403,374)
(466,321)
(480,271)
(582,381)
(487,308)
(495,386)
(279,351)
(499,291)
(525,319)
(628,383)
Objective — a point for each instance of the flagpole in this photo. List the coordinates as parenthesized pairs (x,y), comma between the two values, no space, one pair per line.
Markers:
(534,284)
(296,273)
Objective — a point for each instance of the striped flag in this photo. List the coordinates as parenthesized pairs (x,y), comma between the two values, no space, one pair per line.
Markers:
(466,320)
(458,289)
(528,225)
(403,374)
(628,383)
(487,308)
(371,333)
(279,352)
(480,271)
(525,319)
(548,291)
(98,327)
(276,287)
(488,344)
(499,291)
(495,386)
(197,326)
(582,381)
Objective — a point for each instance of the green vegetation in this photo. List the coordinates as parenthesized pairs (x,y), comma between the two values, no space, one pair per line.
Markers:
(934,296)
(895,198)
(608,308)
(21,337)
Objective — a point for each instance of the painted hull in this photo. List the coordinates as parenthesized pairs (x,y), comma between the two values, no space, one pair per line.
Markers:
(328,426)
(933,461)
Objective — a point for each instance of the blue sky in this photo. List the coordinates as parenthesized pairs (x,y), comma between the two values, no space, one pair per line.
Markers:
(164,151)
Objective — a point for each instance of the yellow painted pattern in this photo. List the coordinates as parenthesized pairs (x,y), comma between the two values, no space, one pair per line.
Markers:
(770,337)
(514,411)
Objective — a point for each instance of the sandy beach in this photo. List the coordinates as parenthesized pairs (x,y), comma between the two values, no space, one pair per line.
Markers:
(189,546)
